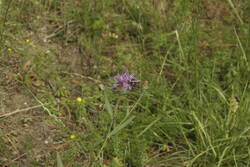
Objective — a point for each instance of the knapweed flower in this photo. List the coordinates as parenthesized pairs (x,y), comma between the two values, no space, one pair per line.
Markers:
(125,81)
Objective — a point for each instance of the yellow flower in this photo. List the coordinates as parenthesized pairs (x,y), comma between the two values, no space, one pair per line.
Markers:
(72,137)
(9,49)
(79,99)
(27,40)
(165,148)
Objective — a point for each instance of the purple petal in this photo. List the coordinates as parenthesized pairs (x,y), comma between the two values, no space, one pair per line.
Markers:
(125,77)
(118,78)
(135,81)
(126,86)
(125,81)
(132,76)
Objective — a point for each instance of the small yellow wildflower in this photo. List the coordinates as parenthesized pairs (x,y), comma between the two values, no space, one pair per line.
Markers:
(9,49)
(165,148)
(79,99)
(27,41)
(72,137)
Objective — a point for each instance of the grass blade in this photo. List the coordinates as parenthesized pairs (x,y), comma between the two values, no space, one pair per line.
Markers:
(221,94)
(108,106)
(121,126)
(149,126)
(59,160)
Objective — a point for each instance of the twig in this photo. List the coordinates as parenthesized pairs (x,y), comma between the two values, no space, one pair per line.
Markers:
(19,110)
(59,30)
(20,156)
(82,76)
(12,143)
(46,109)
(43,106)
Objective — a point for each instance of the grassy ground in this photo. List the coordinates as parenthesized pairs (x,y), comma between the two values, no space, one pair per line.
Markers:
(191,108)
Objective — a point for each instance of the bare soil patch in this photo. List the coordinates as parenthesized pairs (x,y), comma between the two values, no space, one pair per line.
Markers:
(26,136)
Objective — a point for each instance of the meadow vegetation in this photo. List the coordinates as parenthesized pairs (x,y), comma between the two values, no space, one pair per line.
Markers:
(190,109)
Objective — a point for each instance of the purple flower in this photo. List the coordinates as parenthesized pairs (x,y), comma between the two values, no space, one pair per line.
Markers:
(125,81)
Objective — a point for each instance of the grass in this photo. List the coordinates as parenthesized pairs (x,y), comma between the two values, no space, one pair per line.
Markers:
(191,107)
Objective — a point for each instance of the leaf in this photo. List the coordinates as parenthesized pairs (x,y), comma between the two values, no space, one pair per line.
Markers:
(148,127)
(108,106)
(121,126)
(220,92)
(59,160)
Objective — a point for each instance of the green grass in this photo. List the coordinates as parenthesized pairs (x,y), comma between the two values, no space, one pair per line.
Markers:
(191,107)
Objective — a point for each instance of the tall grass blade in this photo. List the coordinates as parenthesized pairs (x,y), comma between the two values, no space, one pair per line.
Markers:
(59,160)
(221,94)
(121,126)
(108,106)
(149,126)
(235,11)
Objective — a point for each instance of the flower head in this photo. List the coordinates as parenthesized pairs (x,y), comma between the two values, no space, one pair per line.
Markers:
(72,137)
(79,99)
(27,41)
(125,81)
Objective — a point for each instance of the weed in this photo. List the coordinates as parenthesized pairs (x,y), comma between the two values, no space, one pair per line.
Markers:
(190,108)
